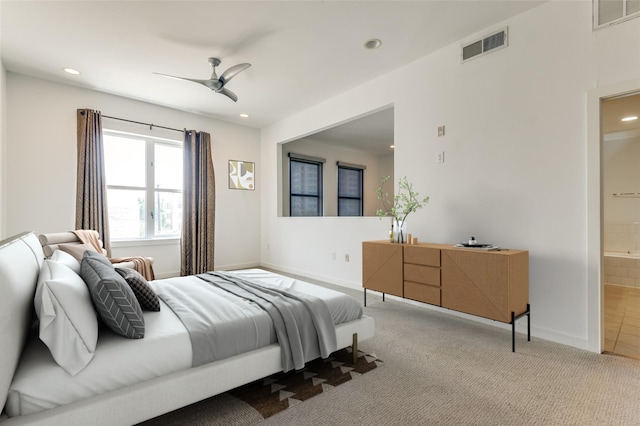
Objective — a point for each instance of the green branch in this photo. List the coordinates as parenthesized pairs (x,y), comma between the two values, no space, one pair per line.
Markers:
(404,202)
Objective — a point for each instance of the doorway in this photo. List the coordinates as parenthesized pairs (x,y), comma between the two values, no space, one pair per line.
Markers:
(620,160)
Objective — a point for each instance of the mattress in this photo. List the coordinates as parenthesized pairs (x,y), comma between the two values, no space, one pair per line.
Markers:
(40,384)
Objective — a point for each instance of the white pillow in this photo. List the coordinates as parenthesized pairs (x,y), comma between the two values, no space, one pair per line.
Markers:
(67,260)
(68,322)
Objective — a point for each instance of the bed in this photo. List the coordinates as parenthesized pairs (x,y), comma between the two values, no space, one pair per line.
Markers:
(125,381)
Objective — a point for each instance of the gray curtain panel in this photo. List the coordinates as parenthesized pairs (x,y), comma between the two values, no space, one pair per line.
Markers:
(91,192)
(198,209)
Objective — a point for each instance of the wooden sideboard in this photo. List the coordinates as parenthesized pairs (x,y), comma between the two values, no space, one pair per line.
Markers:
(491,284)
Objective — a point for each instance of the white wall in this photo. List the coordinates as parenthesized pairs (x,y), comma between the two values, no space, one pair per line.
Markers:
(41,166)
(515,170)
(3,86)
(621,174)
(621,158)
(3,138)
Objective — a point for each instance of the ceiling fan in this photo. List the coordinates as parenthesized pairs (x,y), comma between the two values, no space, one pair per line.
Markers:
(215,83)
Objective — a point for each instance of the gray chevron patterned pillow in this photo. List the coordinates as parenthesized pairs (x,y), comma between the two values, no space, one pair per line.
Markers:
(113,298)
(147,298)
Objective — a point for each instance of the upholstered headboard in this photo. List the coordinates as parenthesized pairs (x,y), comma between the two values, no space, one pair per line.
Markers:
(21,257)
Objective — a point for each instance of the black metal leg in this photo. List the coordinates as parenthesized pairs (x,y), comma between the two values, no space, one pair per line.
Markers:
(513,326)
(528,322)
(513,331)
(383,297)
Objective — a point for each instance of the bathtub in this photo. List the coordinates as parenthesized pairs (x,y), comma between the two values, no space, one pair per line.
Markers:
(622,268)
(626,254)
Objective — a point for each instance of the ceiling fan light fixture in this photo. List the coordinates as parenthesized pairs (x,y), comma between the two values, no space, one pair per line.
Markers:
(372,43)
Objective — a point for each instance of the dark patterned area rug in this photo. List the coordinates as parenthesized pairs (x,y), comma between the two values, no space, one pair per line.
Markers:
(263,398)
(283,390)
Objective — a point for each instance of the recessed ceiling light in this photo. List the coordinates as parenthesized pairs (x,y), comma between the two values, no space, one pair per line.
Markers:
(71,71)
(631,118)
(244,115)
(372,43)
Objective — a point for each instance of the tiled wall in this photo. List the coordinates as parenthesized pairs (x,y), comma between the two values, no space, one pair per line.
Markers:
(623,271)
(622,236)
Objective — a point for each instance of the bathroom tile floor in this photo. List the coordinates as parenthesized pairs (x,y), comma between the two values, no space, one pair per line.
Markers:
(622,320)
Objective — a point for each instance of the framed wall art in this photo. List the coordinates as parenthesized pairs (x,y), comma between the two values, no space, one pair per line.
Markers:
(242,175)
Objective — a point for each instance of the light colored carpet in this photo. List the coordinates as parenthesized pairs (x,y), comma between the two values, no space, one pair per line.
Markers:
(440,369)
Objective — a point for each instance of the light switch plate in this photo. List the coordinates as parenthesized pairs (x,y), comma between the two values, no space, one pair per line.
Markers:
(440,131)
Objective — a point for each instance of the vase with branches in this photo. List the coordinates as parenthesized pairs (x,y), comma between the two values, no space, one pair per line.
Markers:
(398,207)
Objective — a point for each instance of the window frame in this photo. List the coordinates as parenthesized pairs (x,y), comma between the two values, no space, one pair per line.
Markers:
(625,16)
(151,192)
(360,170)
(319,164)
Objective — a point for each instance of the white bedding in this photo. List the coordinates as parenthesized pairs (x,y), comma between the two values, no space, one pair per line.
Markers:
(40,384)
(341,307)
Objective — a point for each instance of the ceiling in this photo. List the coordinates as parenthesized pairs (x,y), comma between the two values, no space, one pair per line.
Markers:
(302,52)
(372,133)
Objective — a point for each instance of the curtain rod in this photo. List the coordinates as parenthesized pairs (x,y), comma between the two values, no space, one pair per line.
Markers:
(151,126)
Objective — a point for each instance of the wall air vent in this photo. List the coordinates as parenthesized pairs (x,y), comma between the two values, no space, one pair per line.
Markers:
(485,45)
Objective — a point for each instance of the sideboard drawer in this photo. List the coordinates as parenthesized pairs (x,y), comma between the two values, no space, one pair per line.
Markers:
(422,274)
(421,255)
(422,293)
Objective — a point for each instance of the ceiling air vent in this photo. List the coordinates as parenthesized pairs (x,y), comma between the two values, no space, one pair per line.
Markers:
(486,44)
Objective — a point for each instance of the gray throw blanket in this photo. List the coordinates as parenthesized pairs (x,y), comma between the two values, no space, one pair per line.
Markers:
(303,323)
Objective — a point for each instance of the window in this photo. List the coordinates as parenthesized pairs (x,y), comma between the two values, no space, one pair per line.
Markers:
(144,186)
(349,189)
(305,186)
(607,12)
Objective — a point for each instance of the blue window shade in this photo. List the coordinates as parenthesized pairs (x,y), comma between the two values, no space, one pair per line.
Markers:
(349,191)
(305,183)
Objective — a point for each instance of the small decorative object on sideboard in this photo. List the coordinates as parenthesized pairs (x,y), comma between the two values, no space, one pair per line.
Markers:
(398,208)
(473,243)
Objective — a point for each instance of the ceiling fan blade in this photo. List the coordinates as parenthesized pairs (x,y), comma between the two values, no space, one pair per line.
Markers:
(211,84)
(232,72)
(214,83)
(179,78)
(228,93)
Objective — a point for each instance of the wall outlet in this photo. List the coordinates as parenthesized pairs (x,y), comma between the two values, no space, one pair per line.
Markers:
(346,257)
(440,157)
